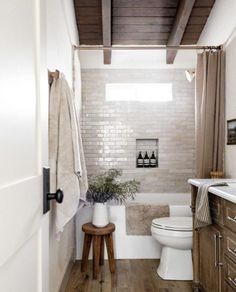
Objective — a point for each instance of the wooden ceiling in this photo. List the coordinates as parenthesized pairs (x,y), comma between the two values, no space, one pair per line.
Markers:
(141,22)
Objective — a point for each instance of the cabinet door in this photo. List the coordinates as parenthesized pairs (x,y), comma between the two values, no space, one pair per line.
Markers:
(228,288)
(210,254)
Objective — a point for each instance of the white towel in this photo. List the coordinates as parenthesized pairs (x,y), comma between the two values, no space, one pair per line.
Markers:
(64,151)
(202,213)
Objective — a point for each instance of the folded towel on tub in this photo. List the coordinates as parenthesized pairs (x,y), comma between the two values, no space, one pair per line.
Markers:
(139,217)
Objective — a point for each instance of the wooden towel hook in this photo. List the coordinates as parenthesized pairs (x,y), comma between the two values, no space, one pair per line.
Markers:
(53,75)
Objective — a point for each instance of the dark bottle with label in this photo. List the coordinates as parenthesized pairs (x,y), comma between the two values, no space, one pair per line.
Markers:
(146,160)
(140,160)
(153,160)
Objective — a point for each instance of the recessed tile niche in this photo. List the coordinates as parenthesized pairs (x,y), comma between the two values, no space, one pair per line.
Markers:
(147,153)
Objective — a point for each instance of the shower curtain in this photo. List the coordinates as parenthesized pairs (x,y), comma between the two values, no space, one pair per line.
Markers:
(210,109)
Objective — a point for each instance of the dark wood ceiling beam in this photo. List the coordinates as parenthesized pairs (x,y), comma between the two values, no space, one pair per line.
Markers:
(197,20)
(204,3)
(178,29)
(94,28)
(89,19)
(129,20)
(140,28)
(146,3)
(138,42)
(86,3)
(88,11)
(141,35)
(106,30)
(143,11)
(91,42)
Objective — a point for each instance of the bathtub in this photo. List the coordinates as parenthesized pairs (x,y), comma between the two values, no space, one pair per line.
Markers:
(130,246)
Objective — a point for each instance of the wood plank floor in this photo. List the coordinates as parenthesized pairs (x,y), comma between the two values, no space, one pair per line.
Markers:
(130,276)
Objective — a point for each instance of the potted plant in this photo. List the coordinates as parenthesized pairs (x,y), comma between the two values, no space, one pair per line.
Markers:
(107,187)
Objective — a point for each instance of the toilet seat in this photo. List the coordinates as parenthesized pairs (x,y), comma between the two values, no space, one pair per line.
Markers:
(183,224)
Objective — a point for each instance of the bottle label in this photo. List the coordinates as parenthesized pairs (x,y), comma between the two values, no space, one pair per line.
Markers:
(140,161)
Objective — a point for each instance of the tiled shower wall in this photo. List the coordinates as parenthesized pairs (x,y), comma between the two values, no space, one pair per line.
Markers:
(110,129)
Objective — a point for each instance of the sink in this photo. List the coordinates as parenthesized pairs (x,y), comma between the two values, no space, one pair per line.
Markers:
(232,184)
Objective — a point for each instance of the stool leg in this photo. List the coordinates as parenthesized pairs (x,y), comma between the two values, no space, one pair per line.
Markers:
(110,252)
(96,255)
(86,248)
(101,262)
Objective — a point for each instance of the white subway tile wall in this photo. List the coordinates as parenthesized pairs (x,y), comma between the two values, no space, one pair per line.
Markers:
(110,129)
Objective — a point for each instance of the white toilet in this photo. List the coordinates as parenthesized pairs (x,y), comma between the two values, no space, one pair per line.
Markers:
(175,236)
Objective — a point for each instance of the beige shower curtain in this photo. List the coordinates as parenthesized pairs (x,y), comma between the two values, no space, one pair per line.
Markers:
(210,109)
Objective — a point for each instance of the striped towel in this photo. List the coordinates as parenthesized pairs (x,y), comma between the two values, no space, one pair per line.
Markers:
(202,214)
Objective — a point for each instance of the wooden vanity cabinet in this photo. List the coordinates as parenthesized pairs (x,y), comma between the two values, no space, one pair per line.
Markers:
(214,248)
(228,288)
(210,256)
(230,273)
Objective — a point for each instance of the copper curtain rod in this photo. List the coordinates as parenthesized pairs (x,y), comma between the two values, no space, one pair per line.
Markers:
(183,47)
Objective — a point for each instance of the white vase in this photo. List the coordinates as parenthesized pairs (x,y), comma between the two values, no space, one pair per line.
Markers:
(100,215)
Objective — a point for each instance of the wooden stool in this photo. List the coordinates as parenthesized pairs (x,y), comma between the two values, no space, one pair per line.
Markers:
(98,235)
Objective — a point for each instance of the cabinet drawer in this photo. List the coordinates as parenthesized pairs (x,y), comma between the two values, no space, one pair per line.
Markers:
(230,273)
(216,208)
(230,215)
(230,245)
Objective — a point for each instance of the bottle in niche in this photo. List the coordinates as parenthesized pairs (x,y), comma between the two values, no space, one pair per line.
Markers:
(146,161)
(153,160)
(140,160)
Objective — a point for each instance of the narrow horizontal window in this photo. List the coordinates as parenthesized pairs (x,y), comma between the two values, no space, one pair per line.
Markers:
(142,92)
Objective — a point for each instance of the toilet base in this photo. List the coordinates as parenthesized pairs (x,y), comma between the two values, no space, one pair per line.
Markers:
(175,264)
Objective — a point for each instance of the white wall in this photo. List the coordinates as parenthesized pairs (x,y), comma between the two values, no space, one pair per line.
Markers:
(230,150)
(220,29)
(220,23)
(61,34)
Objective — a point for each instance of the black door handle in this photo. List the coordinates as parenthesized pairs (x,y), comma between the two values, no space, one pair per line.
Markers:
(58,196)
(47,196)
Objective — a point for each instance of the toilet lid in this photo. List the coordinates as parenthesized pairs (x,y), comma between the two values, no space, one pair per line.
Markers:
(174,223)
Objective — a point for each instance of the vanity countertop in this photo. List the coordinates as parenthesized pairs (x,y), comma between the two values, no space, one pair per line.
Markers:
(226,192)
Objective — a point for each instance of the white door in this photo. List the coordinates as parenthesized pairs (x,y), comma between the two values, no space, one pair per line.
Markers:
(23,146)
